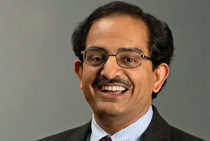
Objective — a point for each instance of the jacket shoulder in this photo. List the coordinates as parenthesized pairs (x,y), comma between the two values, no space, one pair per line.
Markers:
(75,134)
(179,135)
(160,130)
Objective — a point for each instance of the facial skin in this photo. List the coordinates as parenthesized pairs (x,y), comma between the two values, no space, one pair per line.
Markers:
(114,110)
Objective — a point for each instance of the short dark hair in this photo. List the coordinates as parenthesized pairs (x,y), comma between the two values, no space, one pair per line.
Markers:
(160,37)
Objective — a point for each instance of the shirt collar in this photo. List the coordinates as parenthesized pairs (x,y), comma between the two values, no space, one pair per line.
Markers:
(132,132)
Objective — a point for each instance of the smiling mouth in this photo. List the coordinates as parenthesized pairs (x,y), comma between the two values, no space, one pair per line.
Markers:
(112,88)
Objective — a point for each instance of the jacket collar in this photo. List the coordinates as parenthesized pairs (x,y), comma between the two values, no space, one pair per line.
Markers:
(158,130)
(80,133)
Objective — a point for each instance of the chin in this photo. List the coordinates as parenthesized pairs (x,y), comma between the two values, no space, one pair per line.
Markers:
(109,109)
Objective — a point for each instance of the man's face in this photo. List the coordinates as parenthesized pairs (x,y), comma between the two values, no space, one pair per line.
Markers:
(128,101)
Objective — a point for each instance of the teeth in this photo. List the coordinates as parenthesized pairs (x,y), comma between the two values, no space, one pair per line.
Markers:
(112,88)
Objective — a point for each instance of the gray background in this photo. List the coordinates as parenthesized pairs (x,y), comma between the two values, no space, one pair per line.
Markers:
(39,92)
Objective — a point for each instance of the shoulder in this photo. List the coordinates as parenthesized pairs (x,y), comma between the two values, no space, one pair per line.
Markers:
(78,133)
(179,135)
(160,130)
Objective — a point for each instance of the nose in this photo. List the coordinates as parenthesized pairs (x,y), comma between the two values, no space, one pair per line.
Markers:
(111,69)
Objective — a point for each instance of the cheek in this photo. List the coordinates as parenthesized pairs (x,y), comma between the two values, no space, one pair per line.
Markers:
(143,82)
(88,77)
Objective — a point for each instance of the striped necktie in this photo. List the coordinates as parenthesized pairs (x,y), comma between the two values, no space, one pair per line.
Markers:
(106,138)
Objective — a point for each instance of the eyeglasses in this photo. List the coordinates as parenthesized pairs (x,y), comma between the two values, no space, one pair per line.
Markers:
(124,58)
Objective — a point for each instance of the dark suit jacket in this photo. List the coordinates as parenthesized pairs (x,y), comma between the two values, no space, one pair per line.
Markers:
(158,130)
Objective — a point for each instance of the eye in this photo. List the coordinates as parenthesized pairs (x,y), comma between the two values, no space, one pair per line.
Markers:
(96,59)
(127,59)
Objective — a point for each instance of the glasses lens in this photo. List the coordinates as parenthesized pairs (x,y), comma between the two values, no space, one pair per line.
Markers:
(129,59)
(94,57)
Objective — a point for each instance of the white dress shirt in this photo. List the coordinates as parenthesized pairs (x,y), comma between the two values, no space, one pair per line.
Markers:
(132,132)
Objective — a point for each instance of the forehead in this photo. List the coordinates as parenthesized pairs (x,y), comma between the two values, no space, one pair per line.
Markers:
(118,31)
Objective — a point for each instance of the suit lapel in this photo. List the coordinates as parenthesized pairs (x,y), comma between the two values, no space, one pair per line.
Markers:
(80,133)
(158,130)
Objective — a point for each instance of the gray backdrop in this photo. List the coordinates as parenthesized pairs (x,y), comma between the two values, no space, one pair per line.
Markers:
(39,92)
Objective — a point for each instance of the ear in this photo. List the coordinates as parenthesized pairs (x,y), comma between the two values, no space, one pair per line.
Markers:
(78,70)
(161,73)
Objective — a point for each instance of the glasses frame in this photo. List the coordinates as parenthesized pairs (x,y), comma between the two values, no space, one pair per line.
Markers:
(117,60)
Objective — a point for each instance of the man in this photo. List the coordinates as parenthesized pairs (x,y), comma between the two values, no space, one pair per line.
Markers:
(123,62)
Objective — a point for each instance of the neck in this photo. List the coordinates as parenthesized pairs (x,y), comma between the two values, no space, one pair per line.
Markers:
(114,123)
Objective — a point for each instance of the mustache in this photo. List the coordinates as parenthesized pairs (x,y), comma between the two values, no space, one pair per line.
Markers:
(114,80)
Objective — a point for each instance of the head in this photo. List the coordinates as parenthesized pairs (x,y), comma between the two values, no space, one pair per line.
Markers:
(111,28)
(160,45)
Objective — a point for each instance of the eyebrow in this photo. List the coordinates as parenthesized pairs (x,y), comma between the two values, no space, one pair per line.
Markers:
(130,49)
(96,48)
(120,49)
